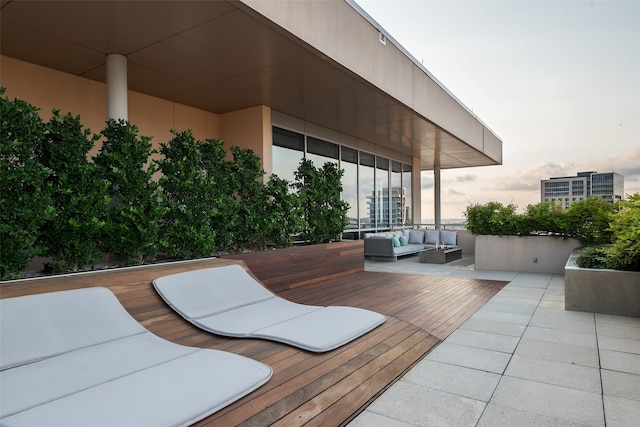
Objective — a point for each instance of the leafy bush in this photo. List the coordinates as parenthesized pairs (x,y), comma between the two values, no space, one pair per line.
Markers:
(134,213)
(625,226)
(594,257)
(493,218)
(25,196)
(324,212)
(189,197)
(73,238)
(283,212)
(588,221)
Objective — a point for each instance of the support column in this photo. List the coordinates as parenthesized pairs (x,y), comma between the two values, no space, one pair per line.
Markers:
(117,105)
(436,195)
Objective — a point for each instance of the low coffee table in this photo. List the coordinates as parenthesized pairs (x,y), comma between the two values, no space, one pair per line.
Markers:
(440,256)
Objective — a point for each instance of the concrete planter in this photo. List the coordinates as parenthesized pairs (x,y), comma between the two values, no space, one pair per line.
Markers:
(529,254)
(601,290)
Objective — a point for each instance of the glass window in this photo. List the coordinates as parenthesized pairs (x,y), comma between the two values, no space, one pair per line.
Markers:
(366,196)
(406,185)
(287,153)
(349,163)
(320,152)
(382,192)
(397,195)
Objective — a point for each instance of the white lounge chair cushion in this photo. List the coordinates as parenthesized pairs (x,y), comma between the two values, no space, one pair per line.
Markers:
(228,301)
(137,379)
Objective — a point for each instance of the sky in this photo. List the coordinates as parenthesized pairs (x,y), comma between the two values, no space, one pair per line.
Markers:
(557,81)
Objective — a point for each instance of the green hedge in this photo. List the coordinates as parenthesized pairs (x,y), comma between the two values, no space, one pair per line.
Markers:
(58,203)
(609,233)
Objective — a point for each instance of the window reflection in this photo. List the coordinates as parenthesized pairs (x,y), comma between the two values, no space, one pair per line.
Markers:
(377,189)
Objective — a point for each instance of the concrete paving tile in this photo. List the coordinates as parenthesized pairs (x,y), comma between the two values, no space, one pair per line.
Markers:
(519,319)
(496,415)
(494,327)
(560,352)
(632,322)
(557,373)
(550,400)
(509,308)
(618,344)
(528,293)
(465,382)
(617,329)
(567,321)
(560,336)
(621,362)
(476,358)
(534,278)
(556,305)
(485,340)
(621,384)
(621,412)
(370,419)
(514,301)
(422,406)
(553,295)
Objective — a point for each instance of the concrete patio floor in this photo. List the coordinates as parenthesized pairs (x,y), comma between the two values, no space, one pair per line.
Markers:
(521,360)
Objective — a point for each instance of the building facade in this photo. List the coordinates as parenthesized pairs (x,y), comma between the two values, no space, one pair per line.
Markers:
(565,190)
(286,78)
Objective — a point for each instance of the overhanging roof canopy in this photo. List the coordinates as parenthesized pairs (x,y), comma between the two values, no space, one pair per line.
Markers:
(222,56)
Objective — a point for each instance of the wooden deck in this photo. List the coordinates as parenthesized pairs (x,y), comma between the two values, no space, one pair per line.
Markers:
(306,388)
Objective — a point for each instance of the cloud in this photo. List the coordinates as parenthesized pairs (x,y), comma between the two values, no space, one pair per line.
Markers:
(467,177)
(528,179)
(627,163)
(426,181)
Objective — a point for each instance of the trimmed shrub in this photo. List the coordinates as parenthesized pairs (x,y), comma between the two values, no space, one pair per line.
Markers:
(73,238)
(134,211)
(625,226)
(324,211)
(25,195)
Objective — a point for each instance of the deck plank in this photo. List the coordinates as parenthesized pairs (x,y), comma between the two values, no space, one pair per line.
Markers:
(306,388)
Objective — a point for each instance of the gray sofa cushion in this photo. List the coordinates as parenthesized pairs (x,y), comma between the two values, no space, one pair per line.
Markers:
(449,238)
(431,237)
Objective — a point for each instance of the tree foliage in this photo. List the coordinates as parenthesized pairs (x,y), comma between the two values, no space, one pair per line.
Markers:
(134,212)
(323,210)
(73,238)
(25,195)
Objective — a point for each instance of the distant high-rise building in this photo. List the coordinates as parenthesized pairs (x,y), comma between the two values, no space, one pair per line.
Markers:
(567,189)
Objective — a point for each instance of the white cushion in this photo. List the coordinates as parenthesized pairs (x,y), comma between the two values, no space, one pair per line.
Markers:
(312,328)
(78,358)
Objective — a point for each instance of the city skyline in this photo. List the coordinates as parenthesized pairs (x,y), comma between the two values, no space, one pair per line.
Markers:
(556,81)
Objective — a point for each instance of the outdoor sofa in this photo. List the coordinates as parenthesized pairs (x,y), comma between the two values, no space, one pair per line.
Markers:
(388,246)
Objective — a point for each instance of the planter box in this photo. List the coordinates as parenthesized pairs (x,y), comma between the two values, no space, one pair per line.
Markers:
(528,254)
(286,268)
(601,290)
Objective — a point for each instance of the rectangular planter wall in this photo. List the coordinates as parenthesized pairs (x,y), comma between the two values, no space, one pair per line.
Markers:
(600,290)
(529,254)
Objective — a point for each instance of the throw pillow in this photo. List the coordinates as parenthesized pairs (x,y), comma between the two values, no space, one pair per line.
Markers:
(449,237)
(432,237)
(404,240)
(406,233)
(416,236)
(396,241)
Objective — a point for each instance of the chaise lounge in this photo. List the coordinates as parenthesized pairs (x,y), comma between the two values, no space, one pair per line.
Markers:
(77,358)
(228,301)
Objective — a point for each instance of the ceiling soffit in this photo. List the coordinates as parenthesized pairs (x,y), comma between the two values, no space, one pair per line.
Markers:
(215,56)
